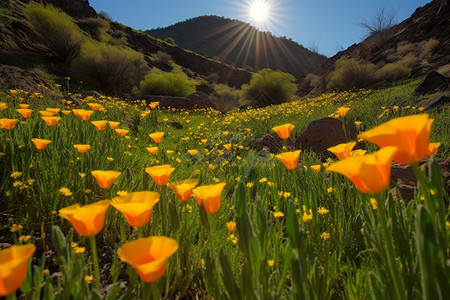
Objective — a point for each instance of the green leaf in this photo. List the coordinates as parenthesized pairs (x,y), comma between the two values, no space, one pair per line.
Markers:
(231,287)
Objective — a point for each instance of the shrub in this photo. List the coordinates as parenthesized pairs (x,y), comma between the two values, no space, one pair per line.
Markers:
(168,84)
(279,86)
(108,67)
(428,48)
(162,57)
(393,71)
(226,98)
(97,27)
(350,73)
(56,30)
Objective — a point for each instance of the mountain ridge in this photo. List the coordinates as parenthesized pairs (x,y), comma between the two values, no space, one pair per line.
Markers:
(240,44)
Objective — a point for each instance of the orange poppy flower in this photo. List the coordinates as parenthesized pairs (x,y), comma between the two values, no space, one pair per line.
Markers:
(160,174)
(24,112)
(148,256)
(40,144)
(227,146)
(369,173)
(409,134)
(82,148)
(50,121)
(316,168)
(53,110)
(209,195)
(225,133)
(8,123)
(66,112)
(156,136)
(433,148)
(283,131)
(136,207)
(13,267)
(342,111)
(183,188)
(121,132)
(100,125)
(152,150)
(46,113)
(342,151)
(231,226)
(192,152)
(289,159)
(204,141)
(24,105)
(113,125)
(83,113)
(3,106)
(87,220)
(94,106)
(105,178)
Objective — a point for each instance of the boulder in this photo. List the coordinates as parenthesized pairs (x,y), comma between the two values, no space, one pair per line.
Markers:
(201,100)
(193,101)
(92,93)
(321,134)
(175,124)
(436,100)
(272,142)
(432,83)
(17,78)
(406,181)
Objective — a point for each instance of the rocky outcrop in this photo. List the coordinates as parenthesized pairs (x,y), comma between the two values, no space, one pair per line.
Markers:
(324,133)
(436,100)
(193,101)
(433,83)
(272,142)
(17,78)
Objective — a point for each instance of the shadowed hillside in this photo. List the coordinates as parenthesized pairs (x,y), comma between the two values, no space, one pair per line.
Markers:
(240,44)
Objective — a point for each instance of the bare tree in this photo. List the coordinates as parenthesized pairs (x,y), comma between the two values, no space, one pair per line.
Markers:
(383,20)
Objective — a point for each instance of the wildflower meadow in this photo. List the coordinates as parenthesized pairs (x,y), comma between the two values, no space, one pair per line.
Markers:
(103,198)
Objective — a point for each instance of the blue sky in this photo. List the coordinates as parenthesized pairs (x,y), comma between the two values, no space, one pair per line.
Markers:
(330,24)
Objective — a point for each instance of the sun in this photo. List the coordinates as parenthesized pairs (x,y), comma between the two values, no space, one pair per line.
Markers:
(259,11)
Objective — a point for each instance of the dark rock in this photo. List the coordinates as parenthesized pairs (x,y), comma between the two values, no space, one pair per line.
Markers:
(272,142)
(75,8)
(436,100)
(406,181)
(204,88)
(263,100)
(322,134)
(194,102)
(432,83)
(92,93)
(175,124)
(201,100)
(17,78)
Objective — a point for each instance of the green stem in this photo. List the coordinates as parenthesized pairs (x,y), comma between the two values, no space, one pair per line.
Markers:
(11,296)
(95,261)
(422,188)
(345,129)
(139,232)
(399,286)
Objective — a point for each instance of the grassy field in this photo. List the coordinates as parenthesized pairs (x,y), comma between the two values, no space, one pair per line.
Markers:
(278,233)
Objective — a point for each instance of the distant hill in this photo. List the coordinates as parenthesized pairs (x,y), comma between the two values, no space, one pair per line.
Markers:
(238,43)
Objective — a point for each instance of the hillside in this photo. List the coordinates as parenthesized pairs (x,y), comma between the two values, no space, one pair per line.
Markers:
(412,48)
(23,50)
(240,44)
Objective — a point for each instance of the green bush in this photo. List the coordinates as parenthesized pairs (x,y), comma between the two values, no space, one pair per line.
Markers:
(168,84)
(393,71)
(279,86)
(111,68)
(57,30)
(350,73)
